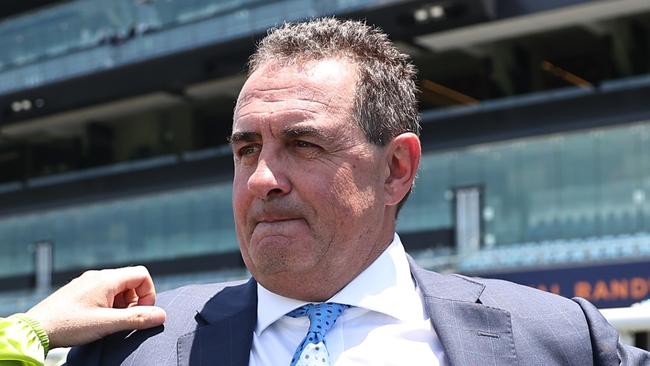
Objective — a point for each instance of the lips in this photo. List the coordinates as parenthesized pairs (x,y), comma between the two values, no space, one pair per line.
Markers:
(278,223)
(274,213)
(271,220)
(272,227)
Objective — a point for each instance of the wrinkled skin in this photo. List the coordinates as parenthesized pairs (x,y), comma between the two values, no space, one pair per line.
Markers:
(314,202)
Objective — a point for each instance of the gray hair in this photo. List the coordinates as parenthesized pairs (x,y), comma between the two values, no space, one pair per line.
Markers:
(385,104)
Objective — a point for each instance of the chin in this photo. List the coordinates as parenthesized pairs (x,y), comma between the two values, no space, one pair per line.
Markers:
(279,265)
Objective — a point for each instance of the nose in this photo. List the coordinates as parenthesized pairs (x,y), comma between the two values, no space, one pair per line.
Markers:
(269,179)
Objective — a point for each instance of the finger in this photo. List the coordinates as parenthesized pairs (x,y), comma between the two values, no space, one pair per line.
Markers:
(136,317)
(130,298)
(134,278)
(118,302)
(125,299)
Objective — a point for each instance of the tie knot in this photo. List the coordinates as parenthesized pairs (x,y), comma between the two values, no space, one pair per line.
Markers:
(321,316)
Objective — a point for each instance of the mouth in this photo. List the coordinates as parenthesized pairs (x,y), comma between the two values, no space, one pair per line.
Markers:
(277,226)
(274,220)
(275,216)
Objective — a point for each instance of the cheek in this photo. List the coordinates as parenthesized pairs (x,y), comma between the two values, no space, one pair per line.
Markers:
(240,198)
(356,192)
(240,182)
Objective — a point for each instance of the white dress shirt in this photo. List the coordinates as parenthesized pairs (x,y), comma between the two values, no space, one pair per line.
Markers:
(386,325)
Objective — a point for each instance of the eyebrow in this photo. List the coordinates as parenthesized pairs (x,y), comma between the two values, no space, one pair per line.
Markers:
(288,133)
(304,131)
(244,136)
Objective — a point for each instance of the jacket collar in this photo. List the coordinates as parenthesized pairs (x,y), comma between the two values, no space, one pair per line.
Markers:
(229,302)
(447,287)
(470,332)
(224,334)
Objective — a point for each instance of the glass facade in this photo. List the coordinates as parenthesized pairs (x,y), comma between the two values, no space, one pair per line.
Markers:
(83,36)
(158,226)
(87,23)
(591,183)
(585,184)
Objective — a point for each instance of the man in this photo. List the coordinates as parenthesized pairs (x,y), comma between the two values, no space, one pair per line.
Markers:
(325,144)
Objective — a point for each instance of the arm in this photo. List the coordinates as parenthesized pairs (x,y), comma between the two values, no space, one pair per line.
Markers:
(94,305)
(607,349)
(99,303)
(22,342)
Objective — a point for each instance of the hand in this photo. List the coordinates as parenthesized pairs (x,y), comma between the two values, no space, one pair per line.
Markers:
(99,303)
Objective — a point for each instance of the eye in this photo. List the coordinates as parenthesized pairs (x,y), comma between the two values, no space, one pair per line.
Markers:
(248,150)
(304,144)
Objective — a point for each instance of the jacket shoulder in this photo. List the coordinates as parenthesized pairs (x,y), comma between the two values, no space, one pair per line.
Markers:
(575,322)
(510,295)
(542,323)
(530,303)
(188,298)
(155,345)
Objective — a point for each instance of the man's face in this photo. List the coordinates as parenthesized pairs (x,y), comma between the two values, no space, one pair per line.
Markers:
(308,192)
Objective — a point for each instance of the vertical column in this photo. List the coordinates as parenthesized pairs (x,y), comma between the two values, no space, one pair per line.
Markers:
(43,266)
(468,219)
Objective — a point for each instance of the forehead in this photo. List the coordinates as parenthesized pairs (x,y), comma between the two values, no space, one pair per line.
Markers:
(315,86)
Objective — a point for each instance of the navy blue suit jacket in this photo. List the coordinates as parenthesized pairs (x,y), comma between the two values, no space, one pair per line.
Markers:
(478,321)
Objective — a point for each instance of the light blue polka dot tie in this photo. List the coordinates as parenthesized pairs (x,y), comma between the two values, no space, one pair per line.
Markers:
(312,350)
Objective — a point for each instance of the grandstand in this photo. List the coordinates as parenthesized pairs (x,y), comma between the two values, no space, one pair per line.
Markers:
(536,130)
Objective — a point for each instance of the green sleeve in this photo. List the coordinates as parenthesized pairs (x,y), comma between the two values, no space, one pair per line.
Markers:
(23,342)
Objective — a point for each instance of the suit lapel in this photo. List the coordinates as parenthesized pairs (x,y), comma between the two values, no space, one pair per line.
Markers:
(224,332)
(470,332)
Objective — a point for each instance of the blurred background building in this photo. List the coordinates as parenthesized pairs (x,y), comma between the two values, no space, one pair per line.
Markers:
(536,137)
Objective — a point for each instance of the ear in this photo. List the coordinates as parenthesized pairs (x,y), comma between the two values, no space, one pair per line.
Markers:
(403,159)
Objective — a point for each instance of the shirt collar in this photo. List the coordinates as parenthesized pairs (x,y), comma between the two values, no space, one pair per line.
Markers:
(386,286)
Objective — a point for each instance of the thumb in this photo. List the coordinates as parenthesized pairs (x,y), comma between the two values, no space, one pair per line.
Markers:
(136,317)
